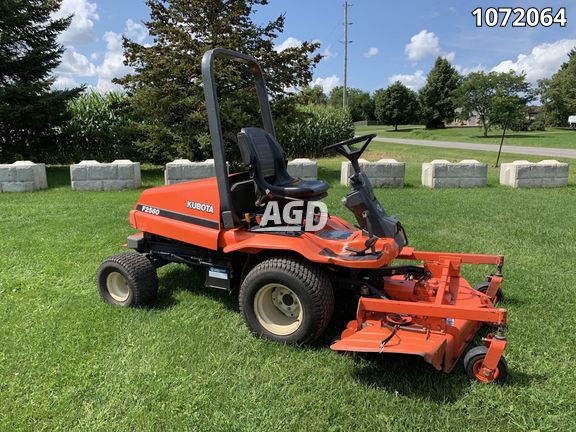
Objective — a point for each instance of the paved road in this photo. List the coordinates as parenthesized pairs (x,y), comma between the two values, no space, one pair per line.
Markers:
(537,151)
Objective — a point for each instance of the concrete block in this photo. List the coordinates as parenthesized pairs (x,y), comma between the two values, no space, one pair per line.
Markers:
(303,168)
(23,176)
(524,174)
(116,185)
(7,173)
(382,173)
(23,186)
(182,170)
(78,172)
(467,173)
(93,175)
(87,185)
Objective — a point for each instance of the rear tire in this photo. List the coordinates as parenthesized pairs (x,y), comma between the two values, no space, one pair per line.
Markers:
(287,300)
(128,279)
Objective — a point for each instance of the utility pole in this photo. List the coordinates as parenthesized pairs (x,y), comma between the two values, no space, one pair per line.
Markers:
(346,42)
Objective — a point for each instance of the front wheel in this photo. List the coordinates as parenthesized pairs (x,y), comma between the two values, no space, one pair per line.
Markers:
(287,300)
(483,288)
(473,365)
(128,279)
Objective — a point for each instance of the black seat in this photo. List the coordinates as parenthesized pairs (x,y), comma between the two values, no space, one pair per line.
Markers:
(265,160)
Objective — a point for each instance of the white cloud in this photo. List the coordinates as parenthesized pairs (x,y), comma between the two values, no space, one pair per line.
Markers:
(113,64)
(136,31)
(466,70)
(424,45)
(544,60)
(327,83)
(327,54)
(74,63)
(81,29)
(63,83)
(291,42)
(371,52)
(413,81)
(449,56)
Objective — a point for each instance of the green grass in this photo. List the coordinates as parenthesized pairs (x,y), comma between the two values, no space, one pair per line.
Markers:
(70,362)
(552,137)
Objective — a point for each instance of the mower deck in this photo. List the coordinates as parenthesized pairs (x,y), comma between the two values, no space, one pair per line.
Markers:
(435,318)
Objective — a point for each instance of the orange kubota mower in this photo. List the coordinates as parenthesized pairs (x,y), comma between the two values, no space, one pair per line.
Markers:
(287,276)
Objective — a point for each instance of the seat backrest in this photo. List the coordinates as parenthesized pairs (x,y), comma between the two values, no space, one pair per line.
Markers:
(259,148)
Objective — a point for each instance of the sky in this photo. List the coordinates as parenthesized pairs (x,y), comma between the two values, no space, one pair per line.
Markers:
(391,39)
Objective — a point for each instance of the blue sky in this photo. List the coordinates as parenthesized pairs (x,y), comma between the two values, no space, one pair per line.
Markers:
(392,40)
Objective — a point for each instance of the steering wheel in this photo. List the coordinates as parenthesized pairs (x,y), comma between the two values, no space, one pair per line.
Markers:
(343,147)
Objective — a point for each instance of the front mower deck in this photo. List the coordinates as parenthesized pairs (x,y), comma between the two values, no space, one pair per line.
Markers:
(435,317)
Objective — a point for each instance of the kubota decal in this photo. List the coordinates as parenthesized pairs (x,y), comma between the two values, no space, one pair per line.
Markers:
(207,208)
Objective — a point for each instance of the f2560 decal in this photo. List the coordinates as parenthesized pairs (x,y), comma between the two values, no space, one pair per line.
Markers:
(151,210)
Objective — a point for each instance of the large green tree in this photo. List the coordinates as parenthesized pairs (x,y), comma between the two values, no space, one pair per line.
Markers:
(558,93)
(31,113)
(360,104)
(437,95)
(313,95)
(498,98)
(167,99)
(396,105)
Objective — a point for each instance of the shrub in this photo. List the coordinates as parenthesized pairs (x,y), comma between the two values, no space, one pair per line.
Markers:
(313,128)
(539,123)
(98,129)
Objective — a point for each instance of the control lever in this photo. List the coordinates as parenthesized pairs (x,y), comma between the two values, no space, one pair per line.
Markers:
(372,239)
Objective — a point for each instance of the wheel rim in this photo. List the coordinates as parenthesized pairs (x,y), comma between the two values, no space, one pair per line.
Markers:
(477,370)
(278,309)
(117,286)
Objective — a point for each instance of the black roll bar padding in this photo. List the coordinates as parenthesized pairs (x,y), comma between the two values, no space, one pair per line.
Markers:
(228,215)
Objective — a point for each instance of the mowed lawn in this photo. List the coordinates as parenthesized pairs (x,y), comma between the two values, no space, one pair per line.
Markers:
(551,137)
(70,362)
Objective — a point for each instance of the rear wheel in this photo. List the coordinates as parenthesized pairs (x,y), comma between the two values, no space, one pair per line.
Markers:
(287,300)
(473,366)
(128,279)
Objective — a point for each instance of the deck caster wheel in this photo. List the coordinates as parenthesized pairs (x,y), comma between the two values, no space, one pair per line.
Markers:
(483,288)
(473,366)
(286,300)
(128,279)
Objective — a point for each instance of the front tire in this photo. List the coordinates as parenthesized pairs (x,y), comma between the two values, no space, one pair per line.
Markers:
(483,288)
(287,300)
(473,365)
(128,279)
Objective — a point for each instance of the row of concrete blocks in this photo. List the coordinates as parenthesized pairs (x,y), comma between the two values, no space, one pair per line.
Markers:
(25,176)
(517,174)
(182,170)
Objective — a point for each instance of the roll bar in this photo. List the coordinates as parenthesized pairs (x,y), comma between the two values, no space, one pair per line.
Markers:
(228,215)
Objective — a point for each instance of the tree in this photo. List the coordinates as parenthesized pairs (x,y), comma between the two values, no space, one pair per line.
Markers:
(437,96)
(167,100)
(312,96)
(396,105)
(31,114)
(558,93)
(360,104)
(497,98)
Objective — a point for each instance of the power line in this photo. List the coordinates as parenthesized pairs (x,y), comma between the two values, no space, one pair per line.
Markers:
(346,42)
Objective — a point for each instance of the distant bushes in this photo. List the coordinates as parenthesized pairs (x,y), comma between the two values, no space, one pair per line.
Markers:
(314,128)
